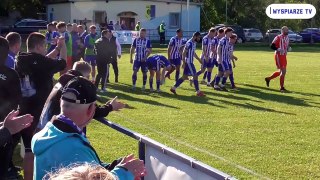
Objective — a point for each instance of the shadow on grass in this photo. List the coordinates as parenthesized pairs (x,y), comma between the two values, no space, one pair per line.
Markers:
(127,89)
(256,91)
(274,90)
(245,105)
(123,89)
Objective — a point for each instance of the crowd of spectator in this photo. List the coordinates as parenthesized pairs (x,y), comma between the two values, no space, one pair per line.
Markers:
(52,118)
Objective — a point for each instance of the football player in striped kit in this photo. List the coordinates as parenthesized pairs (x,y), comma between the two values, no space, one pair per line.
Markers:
(188,56)
(142,48)
(281,46)
(175,48)
(155,63)
(223,60)
(207,58)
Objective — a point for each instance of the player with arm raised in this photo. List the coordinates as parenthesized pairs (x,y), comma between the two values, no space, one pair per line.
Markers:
(281,46)
(142,48)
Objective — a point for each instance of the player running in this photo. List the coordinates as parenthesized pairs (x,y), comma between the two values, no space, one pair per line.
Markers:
(155,63)
(142,48)
(189,69)
(223,61)
(281,46)
(174,52)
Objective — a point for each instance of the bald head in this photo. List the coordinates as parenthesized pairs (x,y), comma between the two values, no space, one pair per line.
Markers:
(285,30)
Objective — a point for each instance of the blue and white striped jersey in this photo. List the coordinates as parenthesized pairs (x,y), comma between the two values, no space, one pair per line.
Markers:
(215,43)
(206,41)
(225,45)
(176,45)
(141,46)
(190,47)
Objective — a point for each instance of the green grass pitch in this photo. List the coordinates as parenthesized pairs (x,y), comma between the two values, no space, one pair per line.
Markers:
(252,133)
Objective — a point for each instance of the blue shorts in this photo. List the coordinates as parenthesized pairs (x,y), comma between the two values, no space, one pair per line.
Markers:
(153,65)
(189,70)
(138,64)
(91,59)
(224,66)
(176,61)
(210,64)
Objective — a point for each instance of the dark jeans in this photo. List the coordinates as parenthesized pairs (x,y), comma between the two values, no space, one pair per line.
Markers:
(115,69)
(102,66)
(6,153)
(162,38)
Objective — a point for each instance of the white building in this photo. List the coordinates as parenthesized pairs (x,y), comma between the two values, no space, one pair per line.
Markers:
(150,13)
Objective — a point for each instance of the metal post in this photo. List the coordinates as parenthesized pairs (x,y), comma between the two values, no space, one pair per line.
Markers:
(180,13)
(142,152)
(188,1)
(226,11)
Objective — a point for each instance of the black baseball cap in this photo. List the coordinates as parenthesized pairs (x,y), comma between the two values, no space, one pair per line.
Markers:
(84,90)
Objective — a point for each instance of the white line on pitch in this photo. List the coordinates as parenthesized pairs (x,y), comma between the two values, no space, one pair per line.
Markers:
(252,172)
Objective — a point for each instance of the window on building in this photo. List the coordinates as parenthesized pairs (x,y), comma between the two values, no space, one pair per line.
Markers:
(174,20)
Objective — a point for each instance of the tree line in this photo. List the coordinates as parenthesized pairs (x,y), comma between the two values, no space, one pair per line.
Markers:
(251,14)
(247,13)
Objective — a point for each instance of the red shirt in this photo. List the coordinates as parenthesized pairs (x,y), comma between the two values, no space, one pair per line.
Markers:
(281,41)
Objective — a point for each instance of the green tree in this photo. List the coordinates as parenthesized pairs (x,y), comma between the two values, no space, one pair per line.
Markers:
(251,13)
(27,8)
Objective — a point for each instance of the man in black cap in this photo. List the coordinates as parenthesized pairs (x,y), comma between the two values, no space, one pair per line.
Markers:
(62,141)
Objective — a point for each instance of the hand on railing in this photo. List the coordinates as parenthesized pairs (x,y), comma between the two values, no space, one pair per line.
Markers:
(135,166)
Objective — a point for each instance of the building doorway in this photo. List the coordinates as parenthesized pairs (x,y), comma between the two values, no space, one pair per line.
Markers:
(129,22)
(99,17)
(127,19)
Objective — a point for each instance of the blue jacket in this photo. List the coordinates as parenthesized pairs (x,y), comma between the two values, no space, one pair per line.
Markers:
(54,149)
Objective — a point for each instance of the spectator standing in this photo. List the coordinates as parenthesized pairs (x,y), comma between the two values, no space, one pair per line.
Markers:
(90,56)
(138,26)
(75,43)
(35,70)
(110,26)
(117,26)
(82,34)
(62,142)
(114,61)
(162,33)
(49,37)
(14,40)
(10,97)
(68,39)
(123,25)
(107,51)
(52,105)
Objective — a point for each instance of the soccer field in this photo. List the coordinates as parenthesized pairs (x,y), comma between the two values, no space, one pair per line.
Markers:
(251,133)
